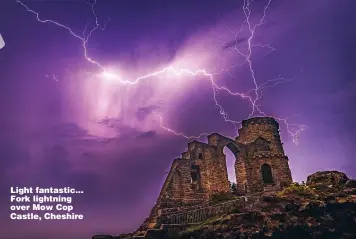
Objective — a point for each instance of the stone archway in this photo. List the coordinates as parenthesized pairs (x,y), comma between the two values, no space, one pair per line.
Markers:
(221,143)
(233,148)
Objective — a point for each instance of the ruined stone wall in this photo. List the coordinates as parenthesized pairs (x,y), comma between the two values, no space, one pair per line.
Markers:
(209,162)
(241,176)
(212,165)
(219,177)
(171,187)
(180,184)
(198,155)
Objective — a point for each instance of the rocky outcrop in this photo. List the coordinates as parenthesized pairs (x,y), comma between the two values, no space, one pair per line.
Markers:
(299,211)
(327,178)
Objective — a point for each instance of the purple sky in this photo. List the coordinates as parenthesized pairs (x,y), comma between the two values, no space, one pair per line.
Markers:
(49,130)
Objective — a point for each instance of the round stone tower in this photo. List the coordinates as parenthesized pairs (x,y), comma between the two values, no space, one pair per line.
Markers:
(264,127)
(265,166)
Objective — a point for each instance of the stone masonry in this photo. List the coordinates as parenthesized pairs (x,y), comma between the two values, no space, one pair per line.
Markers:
(201,172)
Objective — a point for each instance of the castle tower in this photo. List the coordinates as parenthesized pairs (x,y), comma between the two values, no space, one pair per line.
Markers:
(264,166)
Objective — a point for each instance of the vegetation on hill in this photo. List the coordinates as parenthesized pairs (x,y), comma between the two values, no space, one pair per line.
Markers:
(323,207)
(312,210)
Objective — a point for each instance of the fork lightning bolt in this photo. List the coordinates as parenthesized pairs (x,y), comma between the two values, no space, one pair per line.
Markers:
(293,129)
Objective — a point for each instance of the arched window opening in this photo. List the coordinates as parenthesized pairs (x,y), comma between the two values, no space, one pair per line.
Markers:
(266,173)
(195,173)
(230,163)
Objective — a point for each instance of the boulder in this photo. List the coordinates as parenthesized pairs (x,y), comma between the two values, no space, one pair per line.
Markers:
(327,178)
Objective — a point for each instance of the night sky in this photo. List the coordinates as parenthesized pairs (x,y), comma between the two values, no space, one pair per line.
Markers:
(84,130)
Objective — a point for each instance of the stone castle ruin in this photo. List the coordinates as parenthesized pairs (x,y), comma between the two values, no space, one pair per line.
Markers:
(187,205)
(261,165)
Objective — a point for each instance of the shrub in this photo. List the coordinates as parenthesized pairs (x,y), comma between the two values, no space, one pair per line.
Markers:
(298,189)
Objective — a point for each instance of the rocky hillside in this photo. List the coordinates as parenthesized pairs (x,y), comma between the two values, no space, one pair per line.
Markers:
(323,207)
